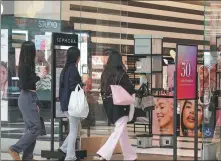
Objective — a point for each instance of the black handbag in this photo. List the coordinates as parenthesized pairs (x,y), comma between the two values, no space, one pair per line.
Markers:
(143,98)
(43,129)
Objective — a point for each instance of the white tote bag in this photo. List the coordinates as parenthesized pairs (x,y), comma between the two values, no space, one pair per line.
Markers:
(78,105)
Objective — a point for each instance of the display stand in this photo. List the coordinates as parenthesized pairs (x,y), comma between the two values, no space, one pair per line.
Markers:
(145,66)
(186,88)
(58,57)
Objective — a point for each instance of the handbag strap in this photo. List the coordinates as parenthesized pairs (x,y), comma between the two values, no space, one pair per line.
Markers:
(119,79)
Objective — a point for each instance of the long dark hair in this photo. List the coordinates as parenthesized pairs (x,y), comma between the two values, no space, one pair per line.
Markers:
(73,54)
(27,55)
(112,71)
(183,127)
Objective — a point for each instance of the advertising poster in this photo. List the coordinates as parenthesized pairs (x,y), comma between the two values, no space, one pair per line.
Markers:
(163,116)
(187,118)
(42,42)
(170,74)
(186,72)
(216,129)
(43,56)
(4,45)
(4,75)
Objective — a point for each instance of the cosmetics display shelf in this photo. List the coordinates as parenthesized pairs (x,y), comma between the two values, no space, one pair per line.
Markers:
(146,67)
(152,69)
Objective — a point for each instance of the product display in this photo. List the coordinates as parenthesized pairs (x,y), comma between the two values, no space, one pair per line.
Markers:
(166,141)
(144,99)
(157,80)
(143,79)
(156,46)
(98,62)
(143,65)
(96,75)
(144,141)
(156,63)
(142,46)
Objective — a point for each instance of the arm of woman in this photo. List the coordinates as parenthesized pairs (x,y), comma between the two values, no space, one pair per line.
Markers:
(127,85)
(74,79)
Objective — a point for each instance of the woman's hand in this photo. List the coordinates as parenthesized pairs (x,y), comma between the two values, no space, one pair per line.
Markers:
(88,85)
(38,109)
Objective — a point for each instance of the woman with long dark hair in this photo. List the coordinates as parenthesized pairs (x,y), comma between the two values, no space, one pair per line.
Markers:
(114,73)
(27,103)
(188,118)
(69,79)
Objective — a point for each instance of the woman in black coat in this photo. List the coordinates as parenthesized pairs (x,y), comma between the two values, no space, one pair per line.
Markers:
(118,115)
(69,79)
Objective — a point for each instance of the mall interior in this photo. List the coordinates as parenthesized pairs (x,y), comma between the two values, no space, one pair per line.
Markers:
(157,39)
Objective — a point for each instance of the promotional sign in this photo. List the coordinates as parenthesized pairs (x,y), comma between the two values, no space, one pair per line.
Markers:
(163,116)
(3,74)
(42,42)
(65,39)
(4,45)
(38,24)
(187,118)
(186,71)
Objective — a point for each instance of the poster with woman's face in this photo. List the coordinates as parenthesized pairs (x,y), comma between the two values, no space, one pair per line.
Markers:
(187,118)
(4,79)
(204,77)
(163,116)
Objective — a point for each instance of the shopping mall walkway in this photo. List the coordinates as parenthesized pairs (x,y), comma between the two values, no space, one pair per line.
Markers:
(5,156)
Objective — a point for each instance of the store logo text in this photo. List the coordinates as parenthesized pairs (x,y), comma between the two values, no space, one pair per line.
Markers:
(47,24)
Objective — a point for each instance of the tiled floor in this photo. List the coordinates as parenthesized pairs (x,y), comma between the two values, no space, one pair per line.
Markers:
(6,156)
(185,145)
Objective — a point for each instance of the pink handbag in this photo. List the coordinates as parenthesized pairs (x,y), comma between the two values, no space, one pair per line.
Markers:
(120,95)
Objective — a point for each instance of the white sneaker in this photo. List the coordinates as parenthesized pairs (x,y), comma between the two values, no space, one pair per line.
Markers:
(98,158)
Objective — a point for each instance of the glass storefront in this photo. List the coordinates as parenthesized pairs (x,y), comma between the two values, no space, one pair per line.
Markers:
(129,27)
(26,21)
(211,124)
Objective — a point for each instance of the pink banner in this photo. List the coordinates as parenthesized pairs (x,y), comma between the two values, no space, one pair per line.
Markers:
(186,72)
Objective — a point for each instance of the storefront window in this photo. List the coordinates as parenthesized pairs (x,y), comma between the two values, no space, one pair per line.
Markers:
(28,21)
(146,33)
(211,123)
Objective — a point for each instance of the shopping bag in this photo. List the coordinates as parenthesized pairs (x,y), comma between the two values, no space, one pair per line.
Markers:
(144,99)
(43,130)
(78,105)
(120,95)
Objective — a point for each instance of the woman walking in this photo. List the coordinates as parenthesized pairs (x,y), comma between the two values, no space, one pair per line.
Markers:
(27,103)
(69,79)
(119,115)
